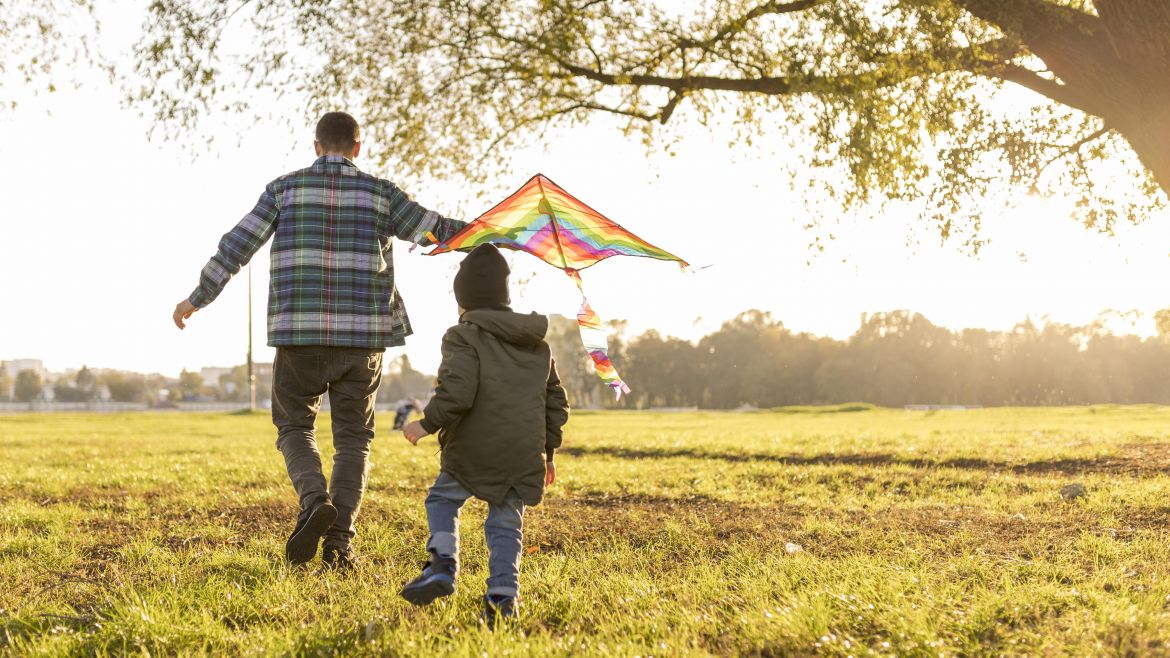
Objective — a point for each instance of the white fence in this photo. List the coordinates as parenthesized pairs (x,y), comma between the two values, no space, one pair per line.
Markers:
(123,407)
(46,407)
(942,407)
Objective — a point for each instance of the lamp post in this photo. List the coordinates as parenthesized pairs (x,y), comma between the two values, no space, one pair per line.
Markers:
(251,373)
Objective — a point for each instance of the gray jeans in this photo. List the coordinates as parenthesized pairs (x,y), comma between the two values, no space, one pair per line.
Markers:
(504,530)
(301,376)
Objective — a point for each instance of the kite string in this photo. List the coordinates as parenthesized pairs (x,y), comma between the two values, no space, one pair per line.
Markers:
(595,341)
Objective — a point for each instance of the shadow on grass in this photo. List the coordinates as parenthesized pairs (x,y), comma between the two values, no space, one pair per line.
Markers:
(1137,459)
(18,630)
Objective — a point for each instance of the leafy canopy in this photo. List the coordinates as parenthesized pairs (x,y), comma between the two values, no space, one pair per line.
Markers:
(916,101)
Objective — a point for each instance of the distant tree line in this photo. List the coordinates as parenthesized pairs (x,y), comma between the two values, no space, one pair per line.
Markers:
(232,386)
(893,359)
(86,385)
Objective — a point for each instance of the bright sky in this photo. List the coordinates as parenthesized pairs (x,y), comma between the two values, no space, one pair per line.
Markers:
(103,231)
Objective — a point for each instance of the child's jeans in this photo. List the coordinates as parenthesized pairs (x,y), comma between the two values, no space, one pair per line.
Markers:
(504,529)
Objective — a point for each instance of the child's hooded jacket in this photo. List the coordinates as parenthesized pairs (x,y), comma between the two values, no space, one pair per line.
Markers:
(499,406)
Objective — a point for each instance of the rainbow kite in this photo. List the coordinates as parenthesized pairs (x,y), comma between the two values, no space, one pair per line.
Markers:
(549,223)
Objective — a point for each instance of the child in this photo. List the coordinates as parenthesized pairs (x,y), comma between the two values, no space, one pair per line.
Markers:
(402,411)
(499,409)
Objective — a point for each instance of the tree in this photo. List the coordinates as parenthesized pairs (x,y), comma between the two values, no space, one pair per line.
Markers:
(40,39)
(86,383)
(28,385)
(663,371)
(125,387)
(895,358)
(901,98)
(900,358)
(64,391)
(575,367)
(754,360)
(81,389)
(190,385)
(401,380)
(5,384)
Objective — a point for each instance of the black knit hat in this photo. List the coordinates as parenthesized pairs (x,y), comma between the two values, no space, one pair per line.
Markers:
(482,281)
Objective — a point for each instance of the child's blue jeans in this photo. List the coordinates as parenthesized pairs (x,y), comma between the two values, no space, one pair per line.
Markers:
(504,530)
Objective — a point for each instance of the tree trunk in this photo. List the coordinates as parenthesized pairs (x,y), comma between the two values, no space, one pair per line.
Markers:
(1138,33)
(1150,138)
(1115,65)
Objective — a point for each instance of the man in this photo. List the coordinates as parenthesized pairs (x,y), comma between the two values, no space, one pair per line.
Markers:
(332,310)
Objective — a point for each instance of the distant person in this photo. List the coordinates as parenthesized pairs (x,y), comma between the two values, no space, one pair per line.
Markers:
(333,309)
(402,411)
(499,409)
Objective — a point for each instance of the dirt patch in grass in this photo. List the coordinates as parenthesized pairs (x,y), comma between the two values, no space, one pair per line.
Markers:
(563,524)
(712,526)
(261,516)
(1134,459)
(687,523)
(671,532)
(88,497)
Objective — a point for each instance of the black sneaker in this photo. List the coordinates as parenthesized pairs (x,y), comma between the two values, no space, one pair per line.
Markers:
(499,609)
(340,558)
(436,581)
(311,526)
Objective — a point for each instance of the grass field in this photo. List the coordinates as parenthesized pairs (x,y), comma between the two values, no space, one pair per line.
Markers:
(667,534)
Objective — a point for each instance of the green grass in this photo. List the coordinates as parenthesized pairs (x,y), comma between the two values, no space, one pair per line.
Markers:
(922,533)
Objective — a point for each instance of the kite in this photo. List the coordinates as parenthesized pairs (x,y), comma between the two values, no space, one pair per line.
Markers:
(544,220)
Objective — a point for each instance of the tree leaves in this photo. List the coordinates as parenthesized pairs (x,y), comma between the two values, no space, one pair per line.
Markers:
(894,100)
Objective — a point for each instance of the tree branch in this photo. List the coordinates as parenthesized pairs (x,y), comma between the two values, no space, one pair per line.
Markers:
(888,72)
(1051,89)
(769,8)
(1024,17)
(668,109)
(1063,37)
(1069,150)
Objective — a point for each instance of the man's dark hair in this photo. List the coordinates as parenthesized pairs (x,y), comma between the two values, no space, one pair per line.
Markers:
(338,131)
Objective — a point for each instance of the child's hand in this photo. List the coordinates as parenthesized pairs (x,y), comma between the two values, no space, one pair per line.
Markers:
(550,473)
(414,431)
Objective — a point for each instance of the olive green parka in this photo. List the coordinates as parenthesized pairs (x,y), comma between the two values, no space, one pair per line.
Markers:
(499,406)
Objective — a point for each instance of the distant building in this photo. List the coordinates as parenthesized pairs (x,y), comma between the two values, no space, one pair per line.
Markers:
(211,376)
(14,366)
(232,382)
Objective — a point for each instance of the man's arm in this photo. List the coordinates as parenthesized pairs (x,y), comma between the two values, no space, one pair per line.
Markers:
(411,222)
(458,383)
(236,248)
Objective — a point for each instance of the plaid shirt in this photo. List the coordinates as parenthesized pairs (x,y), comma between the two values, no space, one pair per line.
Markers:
(332,277)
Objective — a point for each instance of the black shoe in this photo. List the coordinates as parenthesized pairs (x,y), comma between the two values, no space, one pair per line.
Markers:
(340,558)
(436,581)
(311,526)
(499,609)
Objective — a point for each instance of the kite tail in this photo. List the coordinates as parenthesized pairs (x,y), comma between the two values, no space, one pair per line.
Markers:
(596,344)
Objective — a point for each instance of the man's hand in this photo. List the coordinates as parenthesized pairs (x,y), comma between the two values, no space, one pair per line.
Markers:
(183,310)
(413,432)
(550,473)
